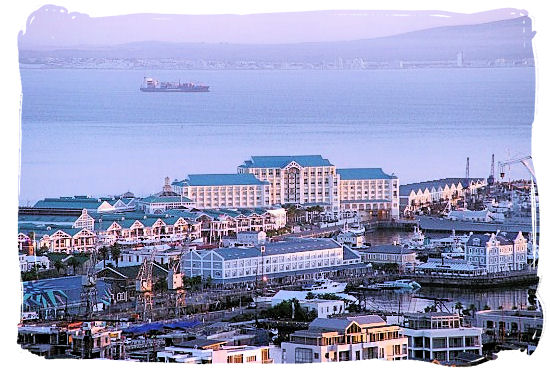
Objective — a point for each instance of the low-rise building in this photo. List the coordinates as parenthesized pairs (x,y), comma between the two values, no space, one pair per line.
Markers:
(345,339)
(440,336)
(385,254)
(350,239)
(510,323)
(285,257)
(28,263)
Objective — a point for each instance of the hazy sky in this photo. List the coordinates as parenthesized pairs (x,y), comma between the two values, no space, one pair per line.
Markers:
(53,26)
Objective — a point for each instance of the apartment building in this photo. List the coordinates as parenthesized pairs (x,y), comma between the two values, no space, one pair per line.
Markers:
(497,252)
(440,336)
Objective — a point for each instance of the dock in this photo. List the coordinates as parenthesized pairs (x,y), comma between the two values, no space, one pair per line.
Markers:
(444,225)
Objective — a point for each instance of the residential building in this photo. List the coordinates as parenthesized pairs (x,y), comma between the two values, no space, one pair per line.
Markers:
(201,351)
(440,336)
(28,263)
(497,252)
(369,192)
(209,191)
(345,339)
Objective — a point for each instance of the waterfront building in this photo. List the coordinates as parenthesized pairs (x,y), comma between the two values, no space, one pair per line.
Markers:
(497,252)
(299,179)
(246,238)
(70,218)
(209,191)
(163,254)
(384,254)
(475,216)
(345,339)
(167,199)
(440,336)
(369,192)
(80,202)
(95,340)
(421,194)
(350,239)
(510,323)
(285,257)
(63,240)
(445,266)
(322,307)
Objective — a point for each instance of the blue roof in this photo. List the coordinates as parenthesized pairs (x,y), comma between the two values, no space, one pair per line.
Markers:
(284,160)
(221,180)
(77,202)
(363,174)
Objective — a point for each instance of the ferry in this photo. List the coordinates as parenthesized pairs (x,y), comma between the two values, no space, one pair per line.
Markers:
(322,286)
(403,284)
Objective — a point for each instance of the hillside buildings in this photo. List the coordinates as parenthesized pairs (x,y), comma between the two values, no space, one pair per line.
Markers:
(345,339)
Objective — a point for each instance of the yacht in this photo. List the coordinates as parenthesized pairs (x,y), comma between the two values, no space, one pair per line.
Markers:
(322,286)
(403,284)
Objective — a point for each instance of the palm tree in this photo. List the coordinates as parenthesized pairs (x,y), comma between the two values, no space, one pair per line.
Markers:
(58,266)
(104,254)
(115,252)
(74,263)
(459,307)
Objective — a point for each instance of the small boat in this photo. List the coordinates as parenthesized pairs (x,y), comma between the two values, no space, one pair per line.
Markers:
(403,284)
(322,286)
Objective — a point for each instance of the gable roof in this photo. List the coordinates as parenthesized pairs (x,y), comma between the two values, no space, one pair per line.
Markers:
(283,161)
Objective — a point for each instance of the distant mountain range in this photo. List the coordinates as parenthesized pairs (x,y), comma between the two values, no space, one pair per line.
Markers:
(507,39)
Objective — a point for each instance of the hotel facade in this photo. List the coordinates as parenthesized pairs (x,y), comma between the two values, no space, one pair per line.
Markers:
(302,180)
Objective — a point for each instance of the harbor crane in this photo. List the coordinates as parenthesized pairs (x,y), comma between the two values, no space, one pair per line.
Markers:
(176,288)
(534,227)
(144,287)
(88,293)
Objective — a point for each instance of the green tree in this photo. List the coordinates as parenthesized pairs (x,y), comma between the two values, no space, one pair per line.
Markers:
(115,252)
(103,254)
(74,263)
(459,307)
(59,265)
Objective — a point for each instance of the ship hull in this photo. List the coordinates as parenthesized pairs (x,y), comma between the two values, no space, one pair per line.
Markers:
(154,89)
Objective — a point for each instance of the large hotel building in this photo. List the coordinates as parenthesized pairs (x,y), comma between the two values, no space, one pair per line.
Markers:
(306,180)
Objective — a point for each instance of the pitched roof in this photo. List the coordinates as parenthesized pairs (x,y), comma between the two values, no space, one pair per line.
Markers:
(363,174)
(389,249)
(283,161)
(407,188)
(165,199)
(220,180)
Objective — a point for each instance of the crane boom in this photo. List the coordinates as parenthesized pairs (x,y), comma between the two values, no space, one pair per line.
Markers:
(523,160)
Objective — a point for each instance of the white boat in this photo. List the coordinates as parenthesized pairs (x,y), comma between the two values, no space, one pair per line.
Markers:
(322,286)
(396,284)
(416,241)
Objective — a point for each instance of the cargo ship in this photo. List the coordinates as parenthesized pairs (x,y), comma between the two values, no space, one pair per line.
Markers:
(151,85)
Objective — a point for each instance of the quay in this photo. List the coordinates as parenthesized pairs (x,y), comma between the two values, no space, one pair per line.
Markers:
(512,278)
(444,225)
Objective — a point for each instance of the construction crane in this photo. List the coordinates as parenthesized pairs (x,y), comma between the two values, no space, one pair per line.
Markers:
(144,287)
(176,288)
(88,293)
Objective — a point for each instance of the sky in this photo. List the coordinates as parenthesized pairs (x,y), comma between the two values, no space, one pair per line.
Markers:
(57,27)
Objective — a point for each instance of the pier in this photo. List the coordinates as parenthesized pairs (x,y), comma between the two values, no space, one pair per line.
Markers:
(444,225)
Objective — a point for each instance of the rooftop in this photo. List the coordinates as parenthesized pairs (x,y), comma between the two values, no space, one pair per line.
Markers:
(407,188)
(220,180)
(363,174)
(389,249)
(283,161)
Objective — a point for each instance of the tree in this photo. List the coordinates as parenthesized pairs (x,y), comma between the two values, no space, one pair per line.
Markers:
(104,254)
(74,263)
(115,252)
(459,307)
(59,265)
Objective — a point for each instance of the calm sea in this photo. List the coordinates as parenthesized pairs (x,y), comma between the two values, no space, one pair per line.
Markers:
(93,132)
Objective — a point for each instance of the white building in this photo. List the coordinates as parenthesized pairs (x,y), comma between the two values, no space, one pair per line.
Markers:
(285,257)
(345,339)
(201,351)
(27,263)
(389,254)
(503,323)
(209,191)
(350,239)
(497,253)
(475,216)
(440,336)
(369,192)
(298,179)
